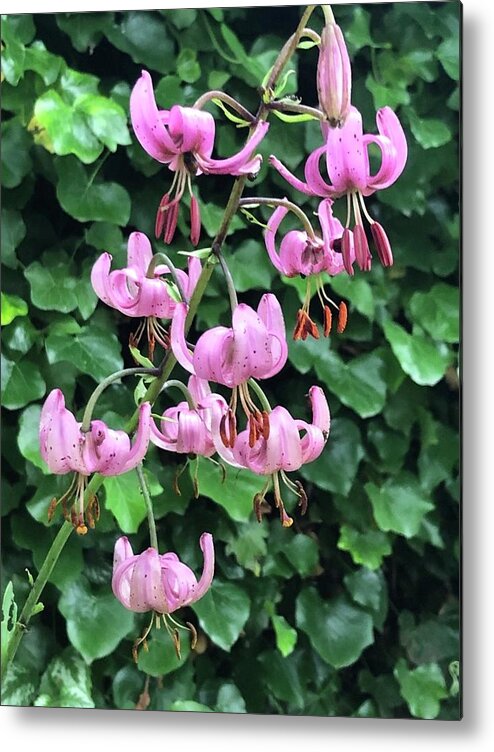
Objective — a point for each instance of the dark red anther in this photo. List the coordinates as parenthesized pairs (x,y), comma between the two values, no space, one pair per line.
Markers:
(160,216)
(171,222)
(346,251)
(328,320)
(303,501)
(252,431)
(195,221)
(382,244)
(223,436)
(342,317)
(362,252)
(232,427)
(297,332)
(265,425)
(51,509)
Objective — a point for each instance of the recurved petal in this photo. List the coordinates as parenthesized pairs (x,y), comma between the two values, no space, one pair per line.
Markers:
(192,130)
(148,121)
(312,443)
(59,436)
(346,156)
(270,313)
(270,237)
(99,278)
(146,586)
(141,438)
(394,150)
(283,451)
(139,252)
(207,548)
(177,338)
(122,551)
(320,409)
(241,163)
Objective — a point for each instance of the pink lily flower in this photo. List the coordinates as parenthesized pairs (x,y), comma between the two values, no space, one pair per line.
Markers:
(310,256)
(253,347)
(159,582)
(139,290)
(348,167)
(283,450)
(183,139)
(187,430)
(65,448)
(334,75)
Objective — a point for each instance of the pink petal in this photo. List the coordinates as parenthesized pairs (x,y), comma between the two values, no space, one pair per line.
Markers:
(320,409)
(240,163)
(270,313)
(192,130)
(148,121)
(312,443)
(177,338)
(207,548)
(270,237)
(141,438)
(213,356)
(99,278)
(393,145)
(122,551)
(146,586)
(60,437)
(139,252)
(346,155)
(289,176)
(317,186)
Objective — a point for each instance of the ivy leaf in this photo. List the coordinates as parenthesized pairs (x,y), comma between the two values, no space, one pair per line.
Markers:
(161,659)
(85,29)
(336,468)
(337,629)
(28,437)
(66,683)
(124,499)
(22,383)
(286,636)
(143,35)
(16,161)
(423,688)
(86,200)
(418,356)
(399,505)
(235,493)
(429,132)
(223,612)
(52,285)
(92,350)
(438,311)
(11,307)
(86,612)
(13,233)
(448,54)
(188,68)
(367,548)
(360,384)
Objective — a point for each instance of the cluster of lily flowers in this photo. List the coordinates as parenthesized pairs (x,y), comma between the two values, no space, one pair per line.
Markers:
(271,443)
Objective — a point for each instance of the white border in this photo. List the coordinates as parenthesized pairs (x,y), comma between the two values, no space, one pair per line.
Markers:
(78,729)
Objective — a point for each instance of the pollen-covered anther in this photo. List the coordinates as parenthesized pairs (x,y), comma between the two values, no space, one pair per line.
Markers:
(193,631)
(342,317)
(261,507)
(265,425)
(328,320)
(51,509)
(383,246)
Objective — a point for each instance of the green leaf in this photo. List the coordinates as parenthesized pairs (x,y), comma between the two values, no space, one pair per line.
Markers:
(235,494)
(448,54)
(86,200)
(250,267)
(335,470)
(230,700)
(9,618)
(249,547)
(28,437)
(12,306)
(52,285)
(253,72)
(303,554)
(368,588)
(21,383)
(438,311)
(429,132)
(418,356)
(85,29)
(358,291)
(423,688)
(160,658)
(188,68)
(124,499)
(190,706)
(223,612)
(96,621)
(66,683)
(143,35)
(62,129)
(286,636)
(13,232)
(92,350)
(106,118)
(16,161)
(19,685)
(367,548)
(360,384)
(399,505)
(283,677)
(337,629)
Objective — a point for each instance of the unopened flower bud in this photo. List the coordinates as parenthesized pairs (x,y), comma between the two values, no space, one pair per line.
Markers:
(334,75)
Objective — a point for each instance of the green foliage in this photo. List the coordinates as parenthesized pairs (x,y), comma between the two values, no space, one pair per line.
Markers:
(353,610)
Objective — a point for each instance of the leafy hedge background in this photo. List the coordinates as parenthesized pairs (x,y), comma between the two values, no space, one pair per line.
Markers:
(353,611)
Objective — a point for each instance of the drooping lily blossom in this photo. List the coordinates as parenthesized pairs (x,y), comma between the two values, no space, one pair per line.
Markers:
(310,256)
(159,582)
(183,139)
(290,444)
(334,75)
(349,172)
(65,448)
(140,289)
(186,429)
(253,347)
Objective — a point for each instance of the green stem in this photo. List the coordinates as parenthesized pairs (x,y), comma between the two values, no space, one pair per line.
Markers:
(179,385)
(227,99)
(252,203)
(153,538)
(35,593)
(169,361)
(172,269)
(232,293)
(284,105)
(88,412)
(262,397)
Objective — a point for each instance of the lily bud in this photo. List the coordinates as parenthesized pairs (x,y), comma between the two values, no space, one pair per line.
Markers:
(334,75)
